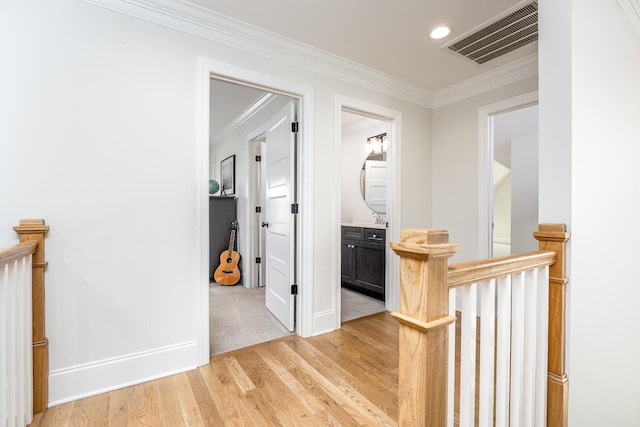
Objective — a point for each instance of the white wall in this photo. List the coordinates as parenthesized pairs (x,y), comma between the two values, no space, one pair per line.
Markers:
(99,137)
(456,166)
(354,152)
(524,193)
(591,104)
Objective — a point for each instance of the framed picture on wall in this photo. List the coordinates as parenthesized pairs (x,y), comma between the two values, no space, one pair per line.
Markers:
(228,176)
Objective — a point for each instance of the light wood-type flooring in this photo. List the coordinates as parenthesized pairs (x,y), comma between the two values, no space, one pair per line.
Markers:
(348,377)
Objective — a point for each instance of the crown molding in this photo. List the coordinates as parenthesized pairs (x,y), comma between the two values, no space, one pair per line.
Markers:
(195,20)
(498,77)
(632,9)
(244,117)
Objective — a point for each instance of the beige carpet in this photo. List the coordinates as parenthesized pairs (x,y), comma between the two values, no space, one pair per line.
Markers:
(238,317)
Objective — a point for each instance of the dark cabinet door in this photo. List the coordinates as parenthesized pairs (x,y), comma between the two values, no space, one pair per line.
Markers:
(370,267)
(363,260)
(348,260)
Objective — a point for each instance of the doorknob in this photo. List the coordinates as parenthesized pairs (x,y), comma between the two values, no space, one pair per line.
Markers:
(265,224)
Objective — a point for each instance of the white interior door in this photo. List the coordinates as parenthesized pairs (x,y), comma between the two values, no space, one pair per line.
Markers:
(280,230)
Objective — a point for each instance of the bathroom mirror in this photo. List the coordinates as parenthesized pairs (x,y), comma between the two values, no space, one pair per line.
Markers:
(373,181)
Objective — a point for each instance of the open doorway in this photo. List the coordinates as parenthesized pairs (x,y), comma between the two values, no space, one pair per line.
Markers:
(515,180)
(365,213)
(241,118)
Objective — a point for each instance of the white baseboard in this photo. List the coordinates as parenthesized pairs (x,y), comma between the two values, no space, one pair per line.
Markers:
(81,381)
(323,322)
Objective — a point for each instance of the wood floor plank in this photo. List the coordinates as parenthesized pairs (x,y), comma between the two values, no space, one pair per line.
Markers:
(136,413)
(206,406)
(152,404)
(335,410)
(171,409)
(353,372)
(358,406)
(227,384)
(190,411)
(118,407)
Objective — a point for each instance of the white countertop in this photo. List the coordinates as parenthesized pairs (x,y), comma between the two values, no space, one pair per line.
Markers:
(364,225)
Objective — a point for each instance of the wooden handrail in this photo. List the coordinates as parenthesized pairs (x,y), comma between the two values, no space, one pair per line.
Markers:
(17,251)
(466,273)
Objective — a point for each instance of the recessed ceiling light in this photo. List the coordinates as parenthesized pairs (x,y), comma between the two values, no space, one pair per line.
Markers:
(440,32)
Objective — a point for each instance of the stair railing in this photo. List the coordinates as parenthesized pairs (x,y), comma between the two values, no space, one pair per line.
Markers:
(23,345)
(530,288)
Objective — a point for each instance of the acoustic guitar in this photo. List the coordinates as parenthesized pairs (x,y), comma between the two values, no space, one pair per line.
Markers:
(227,272)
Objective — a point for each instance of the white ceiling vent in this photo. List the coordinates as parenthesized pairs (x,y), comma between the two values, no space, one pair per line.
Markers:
(506,32)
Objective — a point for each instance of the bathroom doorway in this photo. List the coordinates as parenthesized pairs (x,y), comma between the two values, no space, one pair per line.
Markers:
(365,215)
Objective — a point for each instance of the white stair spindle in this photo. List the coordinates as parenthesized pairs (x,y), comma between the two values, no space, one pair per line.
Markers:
(503,350)
(529,366)
(517,348)
(487,351)
(468,356)
(451,364)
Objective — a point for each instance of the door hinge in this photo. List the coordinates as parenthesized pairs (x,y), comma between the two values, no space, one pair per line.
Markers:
(294,127)
(258,209)
(294,208)
(294,289)
(258,158)
(258,260)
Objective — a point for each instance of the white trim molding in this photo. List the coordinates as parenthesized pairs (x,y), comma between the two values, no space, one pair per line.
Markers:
(485,168)
(394,214)
(80,381)
(631,8)
(509,73)
(198,21)
(210,68)
(243,117)
(205,23)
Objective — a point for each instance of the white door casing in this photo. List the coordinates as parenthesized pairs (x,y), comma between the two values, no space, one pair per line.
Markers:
(280,234)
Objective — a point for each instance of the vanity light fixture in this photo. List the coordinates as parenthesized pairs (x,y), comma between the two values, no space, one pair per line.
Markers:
(441,32)
(378,143)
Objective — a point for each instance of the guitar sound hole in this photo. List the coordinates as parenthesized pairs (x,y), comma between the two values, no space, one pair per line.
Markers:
(229,260)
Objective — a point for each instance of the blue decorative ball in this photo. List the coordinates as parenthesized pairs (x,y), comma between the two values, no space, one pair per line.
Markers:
(214,187)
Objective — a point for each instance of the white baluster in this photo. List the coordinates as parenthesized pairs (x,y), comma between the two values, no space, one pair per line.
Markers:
(517,347)
(529,365)
(451,364)
(503,351)
(468,356)
(487,351)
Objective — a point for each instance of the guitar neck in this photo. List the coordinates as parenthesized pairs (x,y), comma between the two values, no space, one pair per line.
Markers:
(231,239)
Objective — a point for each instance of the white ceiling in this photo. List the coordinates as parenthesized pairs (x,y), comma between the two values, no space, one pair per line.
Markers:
(390,36)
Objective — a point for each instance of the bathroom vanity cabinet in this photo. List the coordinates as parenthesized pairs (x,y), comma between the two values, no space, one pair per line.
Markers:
(363,260)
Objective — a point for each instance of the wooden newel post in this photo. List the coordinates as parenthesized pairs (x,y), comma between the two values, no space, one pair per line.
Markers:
(33,230)
(423,317)
(553,237)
